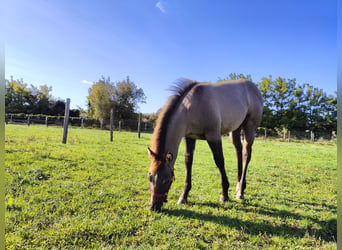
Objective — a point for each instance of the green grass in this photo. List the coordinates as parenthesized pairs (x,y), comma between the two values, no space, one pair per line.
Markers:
(94,194)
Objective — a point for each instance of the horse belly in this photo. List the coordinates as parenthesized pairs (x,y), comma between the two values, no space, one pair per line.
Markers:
(230,125)
(198,128)
(196,136)
(233,113)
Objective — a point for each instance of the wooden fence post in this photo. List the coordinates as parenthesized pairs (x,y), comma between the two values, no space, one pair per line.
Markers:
(111,123)
(66,120)
(265,134)
(312,135)
(82,123)
(120,126)
(28,121)
(139,126)
(289,136)
(101,123)
(284,134)
(46,121)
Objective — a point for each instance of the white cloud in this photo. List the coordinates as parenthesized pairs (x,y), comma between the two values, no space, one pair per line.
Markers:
(161,6)
(86,82)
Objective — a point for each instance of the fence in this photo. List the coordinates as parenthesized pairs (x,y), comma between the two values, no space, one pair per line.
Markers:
(288,135)
(147,126)
(126,125)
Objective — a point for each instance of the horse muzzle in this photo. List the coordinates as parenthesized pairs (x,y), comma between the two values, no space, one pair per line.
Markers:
(157,201)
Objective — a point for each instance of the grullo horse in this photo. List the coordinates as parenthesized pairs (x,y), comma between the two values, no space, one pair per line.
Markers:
(203,111)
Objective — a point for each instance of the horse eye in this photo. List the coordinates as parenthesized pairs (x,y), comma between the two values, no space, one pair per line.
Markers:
(166,181)
(149,177)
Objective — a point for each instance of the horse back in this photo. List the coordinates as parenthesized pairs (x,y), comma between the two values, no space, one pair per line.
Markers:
(222,106)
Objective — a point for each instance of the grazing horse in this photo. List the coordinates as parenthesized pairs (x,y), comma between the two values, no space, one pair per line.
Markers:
(203,111)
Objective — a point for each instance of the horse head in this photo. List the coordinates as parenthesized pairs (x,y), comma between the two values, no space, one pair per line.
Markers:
(161,176)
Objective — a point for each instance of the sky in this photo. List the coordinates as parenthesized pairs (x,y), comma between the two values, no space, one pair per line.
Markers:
(69,45)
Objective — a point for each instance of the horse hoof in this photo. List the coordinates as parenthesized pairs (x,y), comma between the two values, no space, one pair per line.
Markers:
(224,198)
(181,201)
(239,196)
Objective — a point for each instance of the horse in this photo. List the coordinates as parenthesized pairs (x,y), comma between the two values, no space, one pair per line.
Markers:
(205,111)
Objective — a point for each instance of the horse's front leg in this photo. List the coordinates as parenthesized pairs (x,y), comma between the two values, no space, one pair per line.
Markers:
(189,153)
(216,148)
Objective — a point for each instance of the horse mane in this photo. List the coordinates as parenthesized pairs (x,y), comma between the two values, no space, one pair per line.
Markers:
(180,89)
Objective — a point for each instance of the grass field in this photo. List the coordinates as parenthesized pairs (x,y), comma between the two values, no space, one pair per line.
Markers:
(94,194)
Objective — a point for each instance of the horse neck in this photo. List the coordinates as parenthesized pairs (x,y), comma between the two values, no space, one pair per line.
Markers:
(175,133)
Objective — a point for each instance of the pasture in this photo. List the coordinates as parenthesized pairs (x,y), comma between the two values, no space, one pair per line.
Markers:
(94,194)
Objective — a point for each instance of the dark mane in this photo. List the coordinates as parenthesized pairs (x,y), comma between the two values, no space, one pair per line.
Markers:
(180,89)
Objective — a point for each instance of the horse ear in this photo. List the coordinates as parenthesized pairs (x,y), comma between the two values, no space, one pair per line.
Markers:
(169,157)
(150,152)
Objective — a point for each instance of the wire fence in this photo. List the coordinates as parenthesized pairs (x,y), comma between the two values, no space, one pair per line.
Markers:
(147,126)
(293,135)
(126,125)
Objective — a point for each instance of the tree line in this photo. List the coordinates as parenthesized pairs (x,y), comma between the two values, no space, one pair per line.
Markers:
(25,99)
(287,104)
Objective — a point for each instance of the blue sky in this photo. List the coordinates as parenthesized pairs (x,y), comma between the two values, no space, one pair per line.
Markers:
(70,44)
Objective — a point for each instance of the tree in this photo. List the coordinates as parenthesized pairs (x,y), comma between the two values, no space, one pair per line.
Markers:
(101,98)
(234,76)
(17,96)
(315,104)
(331,113)
(282,99)
(43,103)
(127,97)
(59,108)
(265,87)
(123,96)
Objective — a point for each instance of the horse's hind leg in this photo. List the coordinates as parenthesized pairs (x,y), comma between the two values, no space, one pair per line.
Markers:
(189,153)
(249,131)
(216,148)
(235,137)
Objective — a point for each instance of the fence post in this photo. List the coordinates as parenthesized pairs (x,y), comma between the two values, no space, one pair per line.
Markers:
(265,134)
(111,123)
(101,123)
(82,123)
(28,121)
(312,134)
(139,126)
(284,134)
(120,126)
(66,120)
(289,134)
(46,121)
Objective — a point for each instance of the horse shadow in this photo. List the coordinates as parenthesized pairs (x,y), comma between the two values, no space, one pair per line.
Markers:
(327,230)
